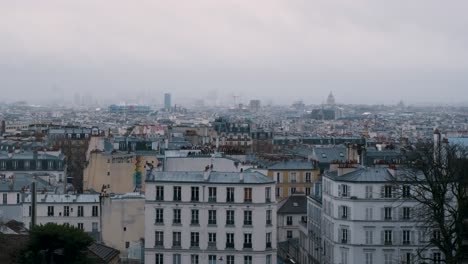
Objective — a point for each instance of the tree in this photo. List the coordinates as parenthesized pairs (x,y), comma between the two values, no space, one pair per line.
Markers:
(437,182)
(52,243)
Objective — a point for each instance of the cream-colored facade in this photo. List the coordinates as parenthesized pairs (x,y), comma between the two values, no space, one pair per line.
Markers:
(119,172)
(123,224)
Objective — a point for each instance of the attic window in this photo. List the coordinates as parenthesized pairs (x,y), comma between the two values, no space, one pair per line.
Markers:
(295,204)
(324,155)
(341,154)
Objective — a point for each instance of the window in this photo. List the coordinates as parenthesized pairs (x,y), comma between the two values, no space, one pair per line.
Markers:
(50,211)
(388,190)
(278,177)
(436,234)
(229,195)
(293,190)
(388,213)
(94,226)
(436,258)
(229,259)
(229,240)
(212,239)
(344,256)
(308,177)
(248,195)
(369,237)
(247,240)
(268,259)
(406,237)
(95,210)
(369,192)
(66,211)
(344,236)
(406,213)
(80,226)
(30,210)
(278,192)
(369,258)
(159,193)
(127,244)
(211,259)
(344,212)
(344,190)
(212,217)
(195,219)
(176,259)
(268,194)
(177,193)
(408,258)
(248,218)
(176,239)
(80,211)
(388,258)
(406,191)
(212,194)
(230,217)
(292,177)
(268,217)
(194,239)
(195,194)
(159,259)
(176,218)
(369,213)
(289,234)
(158,239)
(159,216)
(268,240)
(247,259)
(388,237)
(307,190)
(193,259)
(289,220)
(17,198)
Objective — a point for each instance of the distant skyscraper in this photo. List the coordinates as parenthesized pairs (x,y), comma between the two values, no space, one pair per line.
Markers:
(167,101)
(330,99)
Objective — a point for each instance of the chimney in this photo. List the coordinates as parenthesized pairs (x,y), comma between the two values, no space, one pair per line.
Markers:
(166,143)
(241,175)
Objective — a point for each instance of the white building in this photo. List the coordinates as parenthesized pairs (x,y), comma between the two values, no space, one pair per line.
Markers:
(82,211)
(367,219)
(210,217)
(292,212)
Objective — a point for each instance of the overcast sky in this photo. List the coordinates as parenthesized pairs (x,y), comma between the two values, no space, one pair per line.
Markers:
(365,51)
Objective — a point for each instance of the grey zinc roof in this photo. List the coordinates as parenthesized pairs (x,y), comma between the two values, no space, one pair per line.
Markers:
(23,181)
(330,154)
(292,165)
(295,204)
(103,252)
(214,177)
(364,175)
(65,198)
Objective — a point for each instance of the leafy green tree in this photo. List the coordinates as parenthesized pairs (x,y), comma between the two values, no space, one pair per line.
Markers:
(52,243)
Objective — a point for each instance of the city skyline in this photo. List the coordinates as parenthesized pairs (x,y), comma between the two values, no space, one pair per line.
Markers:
(365,52)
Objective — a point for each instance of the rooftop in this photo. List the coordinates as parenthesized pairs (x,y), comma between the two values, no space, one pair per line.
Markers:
(213,178)
(295,204)
(65,198)
(293,165)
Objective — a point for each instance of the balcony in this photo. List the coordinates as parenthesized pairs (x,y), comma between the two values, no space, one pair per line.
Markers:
(176,244)
(229,222)
(229,245)
(212,199)
(267,200)
(247,200)
(268,222)
(194,222)
(194,200)
(229,199)
(176,222)
(247,245)
(212,244)
(194,245)
(247,223)
(268,245)
(344,217)
(159,198)
(212,222)
(344,241)
(159,222)
(387,242)
(159,244)
(406,242)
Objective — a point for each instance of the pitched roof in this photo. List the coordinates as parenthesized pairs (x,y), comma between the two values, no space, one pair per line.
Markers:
(104,253)
(295,204)
(292,165)
(213,178)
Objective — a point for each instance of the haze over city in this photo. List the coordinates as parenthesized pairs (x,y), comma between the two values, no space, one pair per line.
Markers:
(372,52)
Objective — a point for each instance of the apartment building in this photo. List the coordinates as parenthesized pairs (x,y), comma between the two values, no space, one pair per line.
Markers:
(293,176)
(79,210)
(291,213)
(368,218)
(210,217)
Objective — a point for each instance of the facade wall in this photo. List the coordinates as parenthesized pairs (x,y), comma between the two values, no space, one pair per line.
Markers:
(258,229)
(283,227)
(116,171)
(284,181)
(123,222)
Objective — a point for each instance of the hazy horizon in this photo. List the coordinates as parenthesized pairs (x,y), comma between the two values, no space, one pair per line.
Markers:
(369,52)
